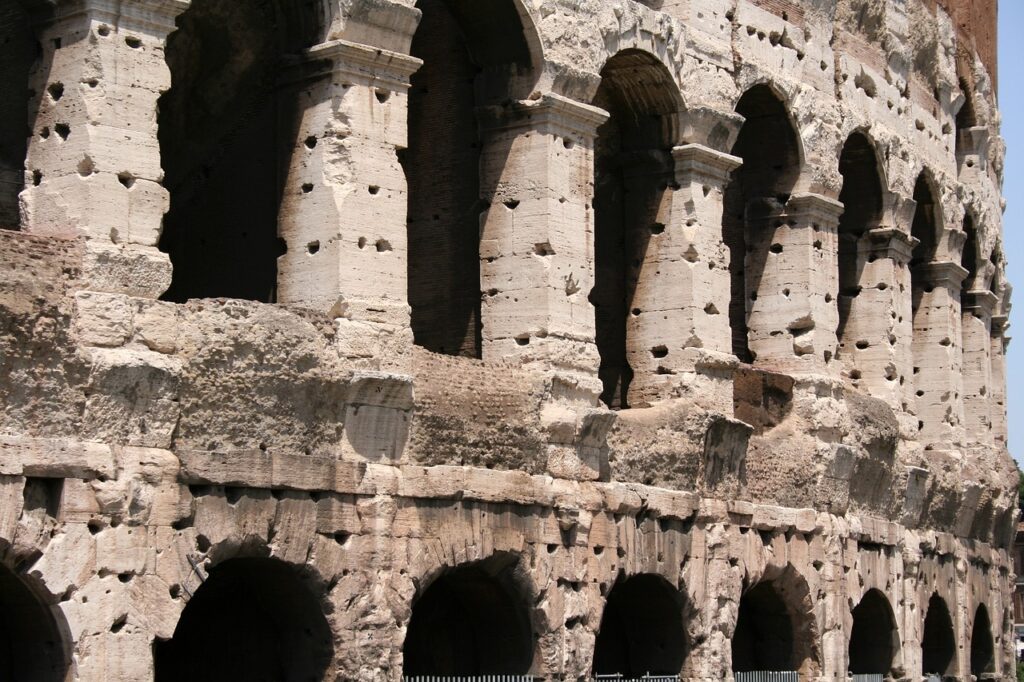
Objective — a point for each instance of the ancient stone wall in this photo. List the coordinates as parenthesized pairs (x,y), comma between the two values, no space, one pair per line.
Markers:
(354,339)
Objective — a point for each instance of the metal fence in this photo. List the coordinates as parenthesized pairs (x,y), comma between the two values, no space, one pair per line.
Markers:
(768,676)
(869,677)
(645,678)
(469,678)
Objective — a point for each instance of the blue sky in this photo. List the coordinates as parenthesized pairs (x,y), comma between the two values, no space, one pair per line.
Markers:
(1011,103)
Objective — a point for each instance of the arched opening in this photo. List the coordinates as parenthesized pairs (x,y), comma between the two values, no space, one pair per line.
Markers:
(18,50)
(764,639)
(759,190)
(252,619)
(473,56)
(938,644)
(472,620)
(924,229)
(966,118)
(983,656)
(969,257)
(226,136)
(861,197)
(31,643)
(641,629)
(874,639)
(633,169)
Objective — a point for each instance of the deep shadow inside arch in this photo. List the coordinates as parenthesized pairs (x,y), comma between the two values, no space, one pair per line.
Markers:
(471,621)
(641,629)
(861,197)
(938,644)
(253,619)
(226,134)
(18,49)
(767,143)
(874,639)
(764,637)
(632,170)
(983,657)
(31,642)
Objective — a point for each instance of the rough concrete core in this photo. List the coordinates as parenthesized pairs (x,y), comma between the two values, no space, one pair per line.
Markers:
(250,619)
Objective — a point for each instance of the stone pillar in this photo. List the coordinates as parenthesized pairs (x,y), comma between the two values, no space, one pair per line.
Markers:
(537,234)
(976,321)
(874,346)
(997,406)
(682,299)
(93,165)
(938,383)
(792,311)
(343,209)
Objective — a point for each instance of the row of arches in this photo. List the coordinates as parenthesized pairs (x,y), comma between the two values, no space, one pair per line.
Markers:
(260,619)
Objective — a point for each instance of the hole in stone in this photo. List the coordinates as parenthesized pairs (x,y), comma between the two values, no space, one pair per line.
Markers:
(373,189)
(523,339)
(133,42)
(382,245)
(45,133)
(312,248)
(37,177)
(307,187)
(311,142)
(855,374)
(543,249)
(62,129)
(657,228)
(362,242)
(567,143)
(862,344)
(119,624)
(511,204)
(92,82)
(86,167)
(382,95)
(126,179)
(710,309)
(103,30)
(659,351)
(56,90)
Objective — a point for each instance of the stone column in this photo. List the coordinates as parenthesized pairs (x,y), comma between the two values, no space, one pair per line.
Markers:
(537,234)
(874,346)
(343,210)
(93,165)
(791,300)
(682,301)
(997,407)
(976,321)
(938,383)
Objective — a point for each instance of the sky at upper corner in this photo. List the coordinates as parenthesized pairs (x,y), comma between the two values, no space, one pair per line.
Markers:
(1011,104)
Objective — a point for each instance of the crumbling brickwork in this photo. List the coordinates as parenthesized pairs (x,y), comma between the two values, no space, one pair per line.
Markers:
(361,339)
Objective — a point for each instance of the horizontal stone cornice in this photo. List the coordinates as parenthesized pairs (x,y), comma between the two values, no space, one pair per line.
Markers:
(697,163)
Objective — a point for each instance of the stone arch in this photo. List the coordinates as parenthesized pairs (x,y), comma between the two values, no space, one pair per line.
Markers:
(938,640)
(633,169)
(862,198)
(472,57)
(642,630)
(471,619)
(18,50)
(776,628)
(874,637)
(35,643)
(970,257)
(251,618)
(227,132)
(769,144)
(983,657)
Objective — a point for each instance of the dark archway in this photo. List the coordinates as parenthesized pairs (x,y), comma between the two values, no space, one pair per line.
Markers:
(861,197)
(938,644)
(32,645)
(874,639)
(472,620)
(925,230)
(18,50)
(966,119)
(474,54)
(764,637)
(633,168)
(969,258)
(641,629)
(768,144)
(983,656)
(226,134)
(253,619)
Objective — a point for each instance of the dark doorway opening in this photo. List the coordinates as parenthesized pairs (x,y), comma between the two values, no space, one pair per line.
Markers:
(471,621)
(983,656)
(641,630)
(633,168)
(938,645)
(768,145)
(226,134)
(31,643)
(764,632)
(874,639)
(252,620)
(861,197)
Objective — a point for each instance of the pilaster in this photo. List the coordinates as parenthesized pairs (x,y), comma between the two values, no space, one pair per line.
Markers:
(976,322)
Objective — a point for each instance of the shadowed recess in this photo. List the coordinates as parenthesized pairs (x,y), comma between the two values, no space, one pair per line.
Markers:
(18,49)
(938,644)
(31,645)
(983,657)
(764,632)
(767,143)
(251,620)
(641,629)
(632,170)
(874,639)
(470,621)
